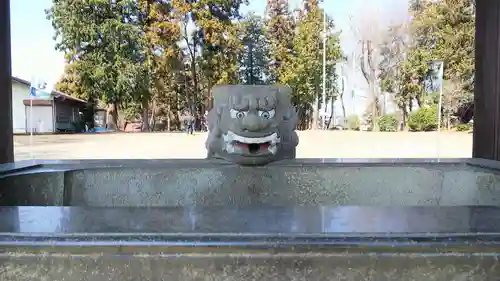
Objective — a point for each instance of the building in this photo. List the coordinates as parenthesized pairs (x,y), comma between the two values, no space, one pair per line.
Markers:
(52,113)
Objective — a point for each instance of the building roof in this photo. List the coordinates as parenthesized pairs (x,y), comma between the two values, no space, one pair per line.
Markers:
(56,94)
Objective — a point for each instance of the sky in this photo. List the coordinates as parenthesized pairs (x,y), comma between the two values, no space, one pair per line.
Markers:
(33,53)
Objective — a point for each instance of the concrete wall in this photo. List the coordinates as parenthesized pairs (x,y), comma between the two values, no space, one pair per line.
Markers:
(272,185)
(20,92)
(43,121)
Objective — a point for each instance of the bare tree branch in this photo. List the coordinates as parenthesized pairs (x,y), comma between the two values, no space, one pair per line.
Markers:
(362,59)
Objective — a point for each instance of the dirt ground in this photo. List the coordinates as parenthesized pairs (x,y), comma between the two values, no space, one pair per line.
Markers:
(313,144)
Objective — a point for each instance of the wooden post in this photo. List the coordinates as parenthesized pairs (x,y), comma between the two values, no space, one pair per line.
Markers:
(486,143)
(6,130)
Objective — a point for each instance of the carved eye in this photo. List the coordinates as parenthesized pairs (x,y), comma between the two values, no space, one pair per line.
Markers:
(237,114)
(240,114)
(266,114)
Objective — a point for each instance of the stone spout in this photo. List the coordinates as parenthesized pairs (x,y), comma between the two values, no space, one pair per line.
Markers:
(252,124)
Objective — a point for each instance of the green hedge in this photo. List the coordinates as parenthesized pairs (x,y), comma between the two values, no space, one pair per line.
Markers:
(424,119)
(353,122)
(388,123)
(464,127)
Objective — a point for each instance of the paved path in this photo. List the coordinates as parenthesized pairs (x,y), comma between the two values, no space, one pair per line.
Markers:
(319,144)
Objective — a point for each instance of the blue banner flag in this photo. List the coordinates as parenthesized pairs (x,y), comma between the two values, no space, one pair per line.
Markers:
(33,91)
(39,89)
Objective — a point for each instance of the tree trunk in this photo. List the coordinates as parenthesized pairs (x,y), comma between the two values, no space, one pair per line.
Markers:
(419,101)
(210,100)
(112,116)
(145,116)
(169,121)
(195,88)
(448,121)
(384,102)
(343,107)
(368,69)
(153,116)
(331,124)
(315,118)
(374,109)
(404,113)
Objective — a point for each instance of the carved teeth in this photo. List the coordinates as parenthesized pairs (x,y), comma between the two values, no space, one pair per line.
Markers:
(272,149)
(231,136)
(229,148)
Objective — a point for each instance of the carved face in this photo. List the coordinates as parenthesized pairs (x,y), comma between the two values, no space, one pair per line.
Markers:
(248,121)
(251,124)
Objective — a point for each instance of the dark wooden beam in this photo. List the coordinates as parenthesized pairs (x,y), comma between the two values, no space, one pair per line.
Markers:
(486,141)
(6,131)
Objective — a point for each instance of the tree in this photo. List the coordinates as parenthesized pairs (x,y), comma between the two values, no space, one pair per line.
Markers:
(151,59)
(70,82)
(254,58)
(308,62)
(369,36)
(304,68)
(335,84)
(161,33)
(444,30)
(441,30)
(341,93)
(458,47)
(452,100)
(280,35)
(98,34)
(395,79)
(211,49)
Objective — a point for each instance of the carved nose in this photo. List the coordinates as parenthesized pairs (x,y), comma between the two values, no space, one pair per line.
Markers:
(251,122)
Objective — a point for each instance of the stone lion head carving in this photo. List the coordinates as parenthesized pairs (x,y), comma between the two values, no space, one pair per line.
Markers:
(252,125)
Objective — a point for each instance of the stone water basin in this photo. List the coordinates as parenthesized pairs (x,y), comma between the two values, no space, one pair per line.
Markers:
(162,183)
(198,220)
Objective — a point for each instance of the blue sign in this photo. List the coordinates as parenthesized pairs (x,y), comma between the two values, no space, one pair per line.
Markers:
(33,91)
(39,92)
(434,79)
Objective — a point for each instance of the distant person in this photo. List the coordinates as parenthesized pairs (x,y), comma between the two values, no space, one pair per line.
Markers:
(189,121)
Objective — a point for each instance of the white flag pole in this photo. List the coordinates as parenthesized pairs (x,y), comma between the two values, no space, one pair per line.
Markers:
(31,125)
(440,104)
(33,87)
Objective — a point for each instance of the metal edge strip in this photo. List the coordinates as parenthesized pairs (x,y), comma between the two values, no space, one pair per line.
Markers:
(36,166)
(241,247)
